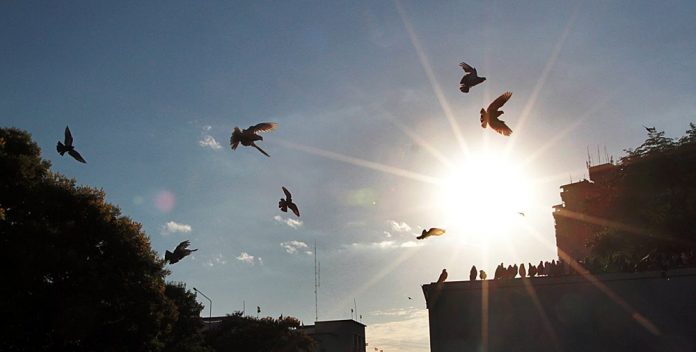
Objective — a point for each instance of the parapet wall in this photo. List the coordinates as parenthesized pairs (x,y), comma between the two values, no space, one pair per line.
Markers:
(610,312)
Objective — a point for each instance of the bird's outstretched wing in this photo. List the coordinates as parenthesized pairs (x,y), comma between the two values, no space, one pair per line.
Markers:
(263,127)
(288,196)
(467,68)
(168,256)
(235,138)
(500,127)
(261,150)
(499,102)
(68,137)
(436,231)
(294,209)
(183,245)
(73,153)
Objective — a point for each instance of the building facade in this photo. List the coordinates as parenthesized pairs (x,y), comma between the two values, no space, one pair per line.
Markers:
(337,335)
(611,312)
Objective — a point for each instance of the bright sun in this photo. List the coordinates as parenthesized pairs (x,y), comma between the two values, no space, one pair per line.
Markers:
(484,195)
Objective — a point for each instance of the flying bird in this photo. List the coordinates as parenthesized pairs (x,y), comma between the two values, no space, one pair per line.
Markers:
(286,203)
(490,116)
(248,136)
(521,213)
(470,79)
(650,129)
(410,298)
(443,276)
(68,147)
(179,252)
(434,231)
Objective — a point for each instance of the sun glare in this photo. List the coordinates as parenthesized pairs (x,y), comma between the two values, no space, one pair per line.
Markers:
(486,194)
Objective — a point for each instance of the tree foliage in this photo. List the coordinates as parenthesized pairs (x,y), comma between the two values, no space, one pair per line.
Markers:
(79,276)
(244,333)
(653,197)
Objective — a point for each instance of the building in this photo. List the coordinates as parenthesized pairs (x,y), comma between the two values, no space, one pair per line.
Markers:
(610,312)
(337,335)
(583,211)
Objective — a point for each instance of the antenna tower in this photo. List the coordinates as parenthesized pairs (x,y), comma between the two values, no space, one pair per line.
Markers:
(317,277)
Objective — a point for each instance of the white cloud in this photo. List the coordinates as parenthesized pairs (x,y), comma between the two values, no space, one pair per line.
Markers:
(410,333)
(288,221)
(249,259)
(245,257)
(388,234)
(399,226)
(411,244)
(208,141)
(293,247)
(172,227)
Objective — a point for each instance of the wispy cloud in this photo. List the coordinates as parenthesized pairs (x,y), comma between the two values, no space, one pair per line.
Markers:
(399,226)
(173,227)
(288,221)
(407,332)
(293,247)
(216,260)
(387,244)
(249,259)
(208,141)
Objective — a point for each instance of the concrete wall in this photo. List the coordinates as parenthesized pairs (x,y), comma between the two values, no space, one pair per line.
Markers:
(621,312)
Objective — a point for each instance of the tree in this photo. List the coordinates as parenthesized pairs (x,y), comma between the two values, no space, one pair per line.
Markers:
(654,197)
(243,333)
(78,275)
(186,334)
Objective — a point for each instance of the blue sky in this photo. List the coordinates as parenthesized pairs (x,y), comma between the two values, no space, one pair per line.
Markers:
(366,97)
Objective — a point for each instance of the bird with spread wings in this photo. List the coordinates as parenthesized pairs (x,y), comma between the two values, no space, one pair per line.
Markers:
(433,231)
(248,136)
(470,79)
(489,117)
(67,146)
(179,252)
(286,203)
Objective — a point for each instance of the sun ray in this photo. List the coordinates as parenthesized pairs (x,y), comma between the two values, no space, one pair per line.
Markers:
(542,79)
(635,314)
(537,304)
(358,162)
(425,62)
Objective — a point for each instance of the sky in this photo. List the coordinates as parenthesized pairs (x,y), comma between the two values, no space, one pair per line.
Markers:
(375,140)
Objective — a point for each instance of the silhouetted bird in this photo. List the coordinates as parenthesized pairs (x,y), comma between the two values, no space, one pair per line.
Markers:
(434,231)
(532,270)
(179,252)
(521,213)
(650,129)
(68,147)
(443,276)
(490,116)
(286,203)
(482,275)
(470,79)
(473,273)
(410,298)
(523,271)
(248,136)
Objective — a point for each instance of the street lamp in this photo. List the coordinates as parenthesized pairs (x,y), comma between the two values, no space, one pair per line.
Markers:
(210,316)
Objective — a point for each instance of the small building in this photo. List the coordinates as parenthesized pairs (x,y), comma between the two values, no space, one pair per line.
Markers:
(583,212)
(337,335)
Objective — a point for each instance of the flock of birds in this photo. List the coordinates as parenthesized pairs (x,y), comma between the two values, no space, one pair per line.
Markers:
(249,136)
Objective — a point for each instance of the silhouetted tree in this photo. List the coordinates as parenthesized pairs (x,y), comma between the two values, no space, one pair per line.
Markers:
(245,333)
(78,275)
(653,197)
(186,334)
